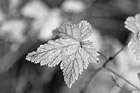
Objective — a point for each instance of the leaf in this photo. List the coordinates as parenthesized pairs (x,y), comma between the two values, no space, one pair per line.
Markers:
(55,48)
(74,64)
(70,51)
(133,24)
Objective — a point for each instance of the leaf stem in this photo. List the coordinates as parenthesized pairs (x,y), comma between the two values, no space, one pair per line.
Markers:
(112,57)
(119,51)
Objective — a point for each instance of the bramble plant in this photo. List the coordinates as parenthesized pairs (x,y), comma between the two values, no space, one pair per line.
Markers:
(74,50)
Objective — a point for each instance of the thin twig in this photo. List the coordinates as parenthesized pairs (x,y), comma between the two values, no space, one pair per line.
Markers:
(111,58)
(119,51)
(103,55)
(110,70)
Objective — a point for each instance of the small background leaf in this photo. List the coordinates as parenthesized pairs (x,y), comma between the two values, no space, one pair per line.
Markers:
(133,24)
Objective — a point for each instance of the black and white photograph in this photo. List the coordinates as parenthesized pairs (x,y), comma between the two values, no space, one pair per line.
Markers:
(69,46)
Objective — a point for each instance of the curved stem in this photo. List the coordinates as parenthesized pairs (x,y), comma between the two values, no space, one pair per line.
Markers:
(103,55)
(110,70)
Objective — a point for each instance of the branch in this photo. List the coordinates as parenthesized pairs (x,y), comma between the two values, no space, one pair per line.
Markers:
(110,70)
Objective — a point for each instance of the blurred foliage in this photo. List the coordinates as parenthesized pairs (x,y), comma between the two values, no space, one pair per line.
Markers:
(26,24)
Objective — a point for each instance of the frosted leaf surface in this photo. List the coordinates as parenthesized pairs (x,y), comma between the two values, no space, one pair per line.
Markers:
(134,46)
(71,51)
(78,31)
